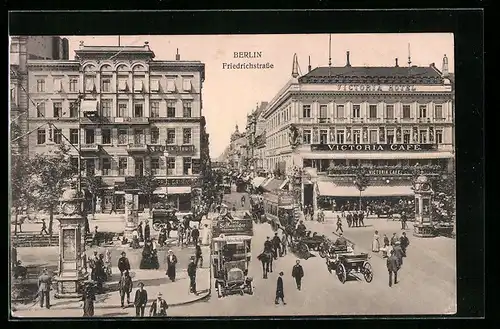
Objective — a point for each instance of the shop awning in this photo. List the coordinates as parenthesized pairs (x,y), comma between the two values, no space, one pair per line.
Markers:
(160,190)
(89,106)
(257,181)
(379,155)
(334,190)
(179,190)
(272,184)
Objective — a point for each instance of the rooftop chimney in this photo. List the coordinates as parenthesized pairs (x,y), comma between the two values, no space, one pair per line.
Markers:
(295,66)
(445,67)
(177,55)
(397,65)
(309,66)
(348,64)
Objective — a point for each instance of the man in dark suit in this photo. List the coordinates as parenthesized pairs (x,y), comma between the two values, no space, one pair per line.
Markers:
(398,252)
(276,241)
(279,290)
(123,263)
(268,246)
(392,267)
(140,300)
(44,285)
(192,276)
(125,287)
(405,242)
(158,307)
(298,273)
(171,262)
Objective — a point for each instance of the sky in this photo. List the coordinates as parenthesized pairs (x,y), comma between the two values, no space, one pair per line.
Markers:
(230,94)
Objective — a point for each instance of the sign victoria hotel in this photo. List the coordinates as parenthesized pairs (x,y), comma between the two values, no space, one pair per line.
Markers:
(390,120)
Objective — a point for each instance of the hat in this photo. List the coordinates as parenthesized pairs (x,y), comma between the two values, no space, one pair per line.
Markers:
(398,242)
(170,250)
(123,253)
(140,284)
(281,273)
(159,294)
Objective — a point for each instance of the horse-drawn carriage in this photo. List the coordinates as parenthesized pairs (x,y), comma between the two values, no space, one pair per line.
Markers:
(345,262)
(164,216)
(302,245)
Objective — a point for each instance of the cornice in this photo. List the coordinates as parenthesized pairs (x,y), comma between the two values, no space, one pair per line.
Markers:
(370,94)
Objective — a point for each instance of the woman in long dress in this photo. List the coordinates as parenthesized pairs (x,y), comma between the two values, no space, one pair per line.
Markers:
(107,263)
(146,256)
(376,242)
(88,299)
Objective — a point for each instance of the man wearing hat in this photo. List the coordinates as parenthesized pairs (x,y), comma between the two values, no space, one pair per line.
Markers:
(404,226)
(341,241)
(44,284)
(123,263)
(392,267)
(158,307)
(140,300)
(398,252)
(268,246)
(171,262)
(191,270)
(279,290)
(125,287)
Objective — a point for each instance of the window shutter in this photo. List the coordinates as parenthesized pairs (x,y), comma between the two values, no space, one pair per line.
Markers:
(89,84)
(122,85)
(57,85)
(155,85)
(171,85)
(186,84)
(138,85)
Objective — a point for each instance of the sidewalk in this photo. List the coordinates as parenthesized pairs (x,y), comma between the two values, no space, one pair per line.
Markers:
(155,281)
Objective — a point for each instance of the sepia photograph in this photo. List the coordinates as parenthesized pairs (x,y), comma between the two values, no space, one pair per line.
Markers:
(232,175)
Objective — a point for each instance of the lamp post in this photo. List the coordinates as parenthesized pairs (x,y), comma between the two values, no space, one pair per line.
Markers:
(166,175)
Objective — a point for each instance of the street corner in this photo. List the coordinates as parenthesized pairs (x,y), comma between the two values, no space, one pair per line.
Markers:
(177,293)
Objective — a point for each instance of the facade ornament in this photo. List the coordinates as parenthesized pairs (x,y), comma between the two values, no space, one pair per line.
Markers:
(348,135)
(382,134)
(315,136)
(293,136)
(365,134)
(332,134)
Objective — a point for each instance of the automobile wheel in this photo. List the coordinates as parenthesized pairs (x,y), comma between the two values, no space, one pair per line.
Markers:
(368,272)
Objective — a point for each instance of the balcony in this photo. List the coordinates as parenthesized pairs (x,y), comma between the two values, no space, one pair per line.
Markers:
(89,147)
(137,148)
(391,120)
(324,120)
(373,120)
(130,120)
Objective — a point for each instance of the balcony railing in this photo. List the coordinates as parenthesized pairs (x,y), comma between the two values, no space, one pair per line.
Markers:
(180,148)
(324,120)
(131,120)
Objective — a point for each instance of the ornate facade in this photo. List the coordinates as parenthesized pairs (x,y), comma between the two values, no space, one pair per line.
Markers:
(136,115)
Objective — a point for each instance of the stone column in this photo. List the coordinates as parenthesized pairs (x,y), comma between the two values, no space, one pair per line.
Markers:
(131,218)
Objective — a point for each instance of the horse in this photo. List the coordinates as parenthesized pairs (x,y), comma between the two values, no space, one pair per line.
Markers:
(266,259)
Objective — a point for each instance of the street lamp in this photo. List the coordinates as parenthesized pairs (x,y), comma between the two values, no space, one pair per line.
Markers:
(166,175)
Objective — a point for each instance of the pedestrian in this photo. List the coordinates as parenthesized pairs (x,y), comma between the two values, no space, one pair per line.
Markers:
(140,232)
(298,274)
(88,298)
(191,270)
(205,232)
(355,219)
(162,237)
(349,219)
(147,232)
(125,287)
(198,256)
(339,225)
(276,241)
(44,286)
(392,267)
(283,244)
(100,273)
(386,247)
(93,261)
(195,235)
(243,201)
(394,238)
(158,307)
(280,294)
(405,242)
(140,300)
(376,242)
(171,262)
(404,226)
(180,235)
(44,227)
(268,246)
(107,263)
(361,218)
(398,252)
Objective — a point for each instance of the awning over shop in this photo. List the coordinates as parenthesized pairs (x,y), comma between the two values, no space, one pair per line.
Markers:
(179,190)
(379,155)
(334,190)
(160,190)
(272,184)
(257,181)
(89,106)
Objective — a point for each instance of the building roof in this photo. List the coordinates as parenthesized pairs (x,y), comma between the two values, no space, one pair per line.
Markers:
(349,74)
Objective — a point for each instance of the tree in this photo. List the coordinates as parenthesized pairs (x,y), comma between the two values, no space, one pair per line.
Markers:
(444,195)
(20,177)
(52,173)
(147,184)
(361,181)
(93,184)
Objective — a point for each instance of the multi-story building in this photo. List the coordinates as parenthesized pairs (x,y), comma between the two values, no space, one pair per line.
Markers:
(22,49)
(254,131)
(388,119)
(137,115)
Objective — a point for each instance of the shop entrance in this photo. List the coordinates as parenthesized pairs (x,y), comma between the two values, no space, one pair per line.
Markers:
(308,195)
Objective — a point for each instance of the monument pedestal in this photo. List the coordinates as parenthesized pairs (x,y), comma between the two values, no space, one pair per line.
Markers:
(423,227)
(71,272)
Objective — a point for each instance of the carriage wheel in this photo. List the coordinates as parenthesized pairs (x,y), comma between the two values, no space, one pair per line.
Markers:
(157,226)
(368,272)
(341,273)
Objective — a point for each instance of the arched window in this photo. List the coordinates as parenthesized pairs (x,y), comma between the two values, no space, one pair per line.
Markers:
(90,78)
(106,78)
